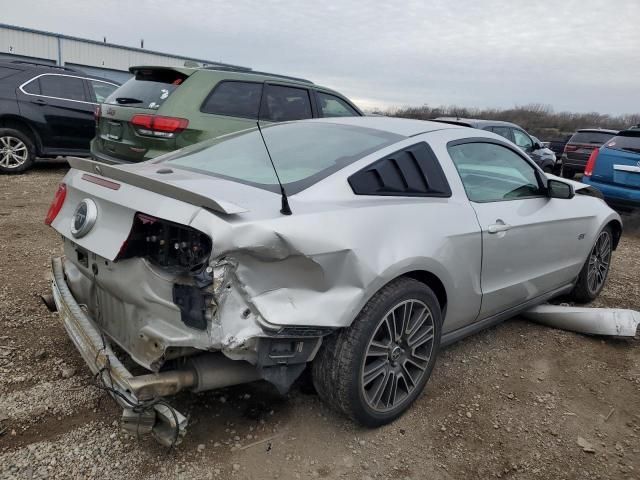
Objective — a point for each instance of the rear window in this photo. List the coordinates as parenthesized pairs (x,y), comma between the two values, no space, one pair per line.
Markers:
(595,138)
(627,141)
(148,89)
(234,99)
(303,154)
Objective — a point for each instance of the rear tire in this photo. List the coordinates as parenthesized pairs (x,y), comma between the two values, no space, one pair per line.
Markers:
(17,151)
(593,275)
(373,370)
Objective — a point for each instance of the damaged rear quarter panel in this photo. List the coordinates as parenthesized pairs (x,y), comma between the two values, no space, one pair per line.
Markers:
(320,268)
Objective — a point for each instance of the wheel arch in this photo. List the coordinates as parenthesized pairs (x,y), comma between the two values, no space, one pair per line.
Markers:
(17,123)
(616,228)
(433,282)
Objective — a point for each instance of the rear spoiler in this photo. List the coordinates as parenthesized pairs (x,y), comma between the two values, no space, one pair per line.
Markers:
(114,172)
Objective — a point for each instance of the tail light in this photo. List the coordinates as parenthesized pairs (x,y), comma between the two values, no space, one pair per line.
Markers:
(570,148)
(588,170)
(97,112)
(56,204)
(157,126)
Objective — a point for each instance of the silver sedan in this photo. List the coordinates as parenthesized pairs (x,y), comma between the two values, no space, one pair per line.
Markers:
(356,247)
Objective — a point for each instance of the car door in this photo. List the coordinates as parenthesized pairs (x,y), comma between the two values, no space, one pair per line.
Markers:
(66,107)
(528,239)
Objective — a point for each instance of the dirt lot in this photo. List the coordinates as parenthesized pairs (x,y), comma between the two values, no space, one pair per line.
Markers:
(511,402)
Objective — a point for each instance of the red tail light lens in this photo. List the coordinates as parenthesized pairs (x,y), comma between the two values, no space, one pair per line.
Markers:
(157,126)
(56,204)
(570,148)
(588,170)
(97,112)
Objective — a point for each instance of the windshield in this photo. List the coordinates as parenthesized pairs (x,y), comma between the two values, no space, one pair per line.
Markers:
(303,153)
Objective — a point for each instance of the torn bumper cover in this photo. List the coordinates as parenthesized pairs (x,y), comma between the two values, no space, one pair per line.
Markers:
(616,322)
(166,424)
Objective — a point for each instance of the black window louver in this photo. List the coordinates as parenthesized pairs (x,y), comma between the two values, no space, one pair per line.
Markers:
(411,172)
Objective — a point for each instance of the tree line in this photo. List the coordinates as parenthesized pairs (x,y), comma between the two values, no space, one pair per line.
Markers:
(540,120)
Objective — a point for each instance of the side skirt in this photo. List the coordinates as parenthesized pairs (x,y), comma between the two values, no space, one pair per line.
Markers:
(460,333)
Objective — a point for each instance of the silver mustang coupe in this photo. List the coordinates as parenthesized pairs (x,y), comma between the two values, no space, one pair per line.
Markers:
(356,247)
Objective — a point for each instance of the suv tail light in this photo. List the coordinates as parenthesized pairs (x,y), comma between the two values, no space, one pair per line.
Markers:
(570,148)
(157,126)
(56,204)
(588,170)
(97,112)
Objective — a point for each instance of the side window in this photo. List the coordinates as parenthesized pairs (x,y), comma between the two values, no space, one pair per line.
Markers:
(285,103)
(234,99)
(32,87)
(101,89)
(493,173)
(412,172)
(502,131)
(70,88)
(332,106)
(522,140)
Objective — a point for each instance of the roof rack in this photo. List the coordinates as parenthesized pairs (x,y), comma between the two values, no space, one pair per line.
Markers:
(48,65)
(255,72)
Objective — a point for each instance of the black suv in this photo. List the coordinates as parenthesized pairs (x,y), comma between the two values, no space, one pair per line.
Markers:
(46,111)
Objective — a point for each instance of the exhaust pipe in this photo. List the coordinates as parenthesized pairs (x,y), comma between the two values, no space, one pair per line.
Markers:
(203,372)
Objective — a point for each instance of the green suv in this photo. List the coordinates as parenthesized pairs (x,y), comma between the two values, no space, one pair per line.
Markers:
(162,109)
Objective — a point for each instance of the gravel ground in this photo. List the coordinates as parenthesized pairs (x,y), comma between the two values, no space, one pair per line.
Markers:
(517,401)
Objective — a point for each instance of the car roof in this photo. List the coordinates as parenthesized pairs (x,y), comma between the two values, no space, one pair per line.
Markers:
(46,68)
(400,126)
(474,122)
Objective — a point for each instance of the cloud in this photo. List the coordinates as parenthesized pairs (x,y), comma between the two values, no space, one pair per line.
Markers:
(575,55)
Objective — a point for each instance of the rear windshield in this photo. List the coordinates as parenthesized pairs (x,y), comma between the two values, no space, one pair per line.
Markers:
(628,141)
(303,154)
(148,89)
(595,138)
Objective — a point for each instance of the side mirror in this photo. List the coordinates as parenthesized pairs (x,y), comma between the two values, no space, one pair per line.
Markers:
(537,146)
(558,189)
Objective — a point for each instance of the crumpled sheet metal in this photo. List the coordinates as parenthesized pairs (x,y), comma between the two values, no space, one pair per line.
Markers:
(320,270)
(615,322)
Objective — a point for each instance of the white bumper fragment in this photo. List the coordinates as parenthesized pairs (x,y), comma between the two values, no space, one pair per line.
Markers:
(617,322)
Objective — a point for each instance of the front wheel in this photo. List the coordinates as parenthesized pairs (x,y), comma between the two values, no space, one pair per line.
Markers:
(373,370)
(595,270)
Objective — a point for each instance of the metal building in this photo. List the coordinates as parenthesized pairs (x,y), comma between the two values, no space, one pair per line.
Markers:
(98,58)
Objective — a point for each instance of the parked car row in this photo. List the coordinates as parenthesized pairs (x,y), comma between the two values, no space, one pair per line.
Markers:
(543,156)
(49,111)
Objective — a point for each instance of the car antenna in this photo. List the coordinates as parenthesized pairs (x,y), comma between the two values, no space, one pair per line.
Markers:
(285,209)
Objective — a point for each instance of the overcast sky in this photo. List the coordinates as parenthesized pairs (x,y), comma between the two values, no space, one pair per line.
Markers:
(577,55)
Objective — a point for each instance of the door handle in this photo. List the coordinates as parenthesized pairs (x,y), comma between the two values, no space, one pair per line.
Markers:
(498,227)
(39,101)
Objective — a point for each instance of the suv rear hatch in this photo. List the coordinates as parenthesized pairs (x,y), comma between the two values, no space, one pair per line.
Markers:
(618,162)
(128,124)
(581,144)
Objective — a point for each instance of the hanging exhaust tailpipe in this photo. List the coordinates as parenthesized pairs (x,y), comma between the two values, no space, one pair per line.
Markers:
(203,372)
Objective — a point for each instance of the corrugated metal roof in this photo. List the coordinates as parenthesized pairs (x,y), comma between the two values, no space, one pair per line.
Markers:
(114,45)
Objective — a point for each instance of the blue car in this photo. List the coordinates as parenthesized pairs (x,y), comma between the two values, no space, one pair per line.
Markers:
(614,169)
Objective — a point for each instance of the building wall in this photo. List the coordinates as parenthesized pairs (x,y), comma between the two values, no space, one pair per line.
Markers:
(102,59)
